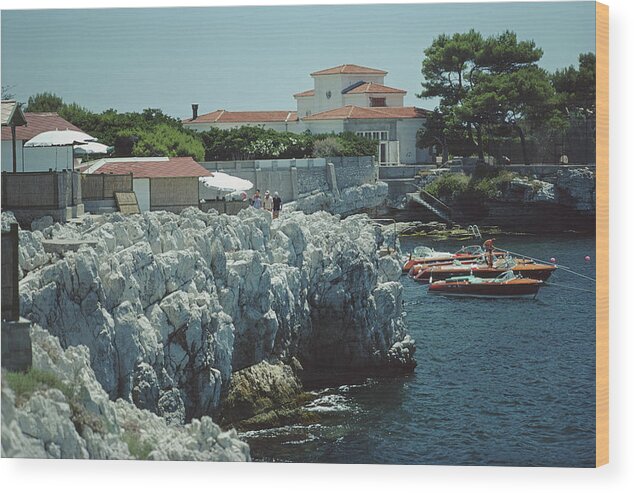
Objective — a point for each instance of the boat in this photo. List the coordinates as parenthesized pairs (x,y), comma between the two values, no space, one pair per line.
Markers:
(506,285)
(525,268)
(426,256)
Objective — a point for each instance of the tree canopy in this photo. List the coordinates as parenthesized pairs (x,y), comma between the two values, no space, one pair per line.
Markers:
(491,87)
(44,102)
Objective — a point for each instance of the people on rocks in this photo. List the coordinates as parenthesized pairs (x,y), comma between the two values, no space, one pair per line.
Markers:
(256,201)
(277,205)
(268,202)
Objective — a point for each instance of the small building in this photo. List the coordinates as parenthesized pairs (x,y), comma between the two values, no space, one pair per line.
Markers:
(346,98)
(12,117)
(160,183)
(36,158)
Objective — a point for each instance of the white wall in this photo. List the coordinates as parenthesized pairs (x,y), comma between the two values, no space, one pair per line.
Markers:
(36,158)
(305,106)
(323,85)
(291,126)
(335,84)
(356,100)
(363,99)
(406,134)
(325,126)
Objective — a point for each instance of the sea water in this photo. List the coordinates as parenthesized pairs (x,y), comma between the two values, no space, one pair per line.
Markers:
(498,382)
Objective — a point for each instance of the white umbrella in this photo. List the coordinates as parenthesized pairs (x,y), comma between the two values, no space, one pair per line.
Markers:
(226,183)
(59,138)
(92,148)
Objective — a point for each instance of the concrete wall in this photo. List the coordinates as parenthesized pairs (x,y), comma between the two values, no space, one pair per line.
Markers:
(36,158)
(274,164)
(292,181)
(402,172)
(173,194)
(224,207)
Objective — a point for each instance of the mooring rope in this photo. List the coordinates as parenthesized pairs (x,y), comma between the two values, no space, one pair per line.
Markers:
(568,287)
(562,267)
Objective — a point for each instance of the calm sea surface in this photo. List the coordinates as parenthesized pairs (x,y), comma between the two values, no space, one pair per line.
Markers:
(498,382)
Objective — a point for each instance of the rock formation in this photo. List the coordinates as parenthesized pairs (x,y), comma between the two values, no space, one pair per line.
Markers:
(70,416)
(170,306)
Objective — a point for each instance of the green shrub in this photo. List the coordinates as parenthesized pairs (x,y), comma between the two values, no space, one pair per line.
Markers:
(448,186)
(136,445)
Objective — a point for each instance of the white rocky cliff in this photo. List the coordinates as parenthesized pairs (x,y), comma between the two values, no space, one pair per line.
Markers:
(170,305)
(70,416)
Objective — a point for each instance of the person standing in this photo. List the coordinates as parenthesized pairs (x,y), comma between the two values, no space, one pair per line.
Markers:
(256,202)
(268,202)
(488,247)
(277,205)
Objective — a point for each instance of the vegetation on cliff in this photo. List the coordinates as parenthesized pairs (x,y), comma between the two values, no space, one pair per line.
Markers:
(486,184)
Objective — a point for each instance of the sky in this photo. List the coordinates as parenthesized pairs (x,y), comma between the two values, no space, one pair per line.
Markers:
(253,58)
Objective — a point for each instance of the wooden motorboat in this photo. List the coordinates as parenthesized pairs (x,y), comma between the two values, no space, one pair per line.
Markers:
(506,285)
(425,256)
(527,269)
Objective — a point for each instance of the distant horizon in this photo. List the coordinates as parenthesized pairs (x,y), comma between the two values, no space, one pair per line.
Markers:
(254,58)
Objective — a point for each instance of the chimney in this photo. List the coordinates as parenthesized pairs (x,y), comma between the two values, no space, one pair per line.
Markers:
(194,111)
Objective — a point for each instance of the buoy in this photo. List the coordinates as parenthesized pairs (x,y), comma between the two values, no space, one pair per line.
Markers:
(553,260)
(587,258)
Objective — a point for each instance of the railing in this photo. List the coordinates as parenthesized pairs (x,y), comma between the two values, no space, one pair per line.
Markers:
(475,231)
(435,202)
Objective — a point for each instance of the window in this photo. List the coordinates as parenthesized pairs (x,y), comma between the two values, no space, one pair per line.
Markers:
(377,102)
(374,134)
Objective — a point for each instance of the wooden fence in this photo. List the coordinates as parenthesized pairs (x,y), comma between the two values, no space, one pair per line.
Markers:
(104,186)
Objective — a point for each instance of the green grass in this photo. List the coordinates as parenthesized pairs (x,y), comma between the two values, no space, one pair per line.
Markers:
(26,384)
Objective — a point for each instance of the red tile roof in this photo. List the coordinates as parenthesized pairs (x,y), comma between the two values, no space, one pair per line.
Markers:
(349,69)
(310,92)
(351,112)
(372,87)
(38,123)
(172,168)
(223,116)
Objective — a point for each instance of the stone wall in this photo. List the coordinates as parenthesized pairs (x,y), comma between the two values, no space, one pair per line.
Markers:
(311,180)
(354,171)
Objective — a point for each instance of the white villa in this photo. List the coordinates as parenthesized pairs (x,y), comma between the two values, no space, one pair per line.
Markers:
(347,98)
